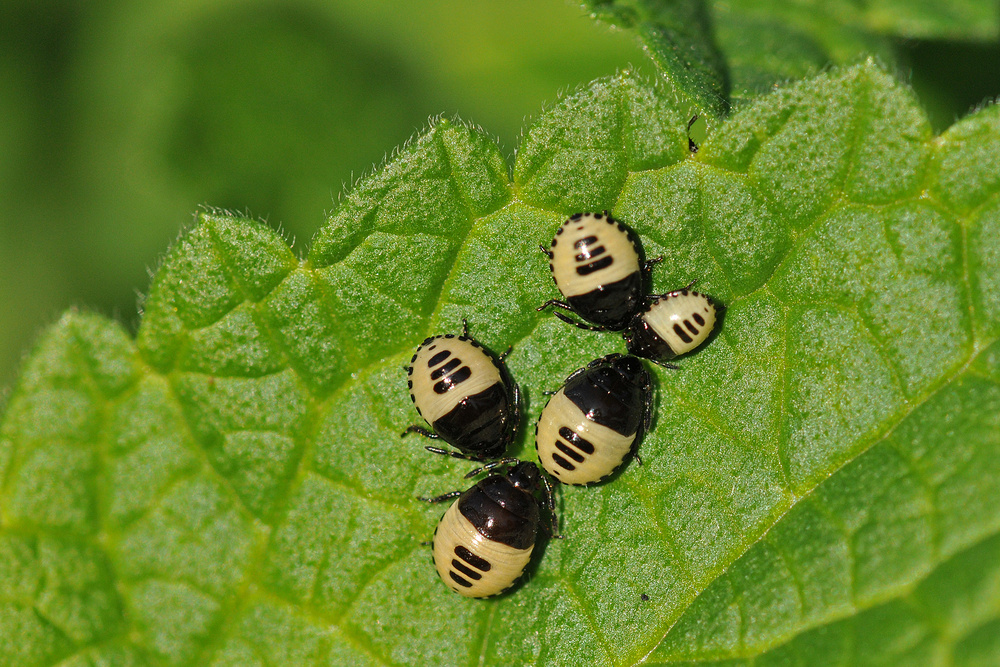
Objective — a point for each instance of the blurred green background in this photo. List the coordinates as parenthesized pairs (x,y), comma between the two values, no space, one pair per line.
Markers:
(119,119)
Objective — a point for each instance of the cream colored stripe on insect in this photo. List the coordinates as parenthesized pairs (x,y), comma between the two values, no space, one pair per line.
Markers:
(507,563)
(664,315)
(610,447)
(432,405)
(616,244)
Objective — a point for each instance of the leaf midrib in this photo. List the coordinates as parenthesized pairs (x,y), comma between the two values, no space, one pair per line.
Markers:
(891,594)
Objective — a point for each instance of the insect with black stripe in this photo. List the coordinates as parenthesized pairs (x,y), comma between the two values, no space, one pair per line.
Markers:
(597,418)
(466,394)
(672,324)
(596,264)
(484,541)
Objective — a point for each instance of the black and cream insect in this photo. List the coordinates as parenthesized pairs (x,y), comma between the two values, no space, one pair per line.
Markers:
(589,427)
(484,541)
(672,324)
(597,265)
(466,394)
(596,262)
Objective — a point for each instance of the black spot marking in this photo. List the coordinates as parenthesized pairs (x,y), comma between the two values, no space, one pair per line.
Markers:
(563,463)
(681,333)
(573,437)
(459,580)
(587,253)
(576,216)
(690,327)
(572,453)
(602,263)
(472,559)
(447,368)
(453,380)
(699,319)
(470,573)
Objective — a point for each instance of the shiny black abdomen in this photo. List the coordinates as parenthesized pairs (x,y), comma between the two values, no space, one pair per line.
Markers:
(613,305)
(501,512)
(611,395)
(482,424)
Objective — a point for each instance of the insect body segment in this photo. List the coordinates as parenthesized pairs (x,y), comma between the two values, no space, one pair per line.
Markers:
(465,393)
(672,324)
(589,427)
(484,541)
(595,262)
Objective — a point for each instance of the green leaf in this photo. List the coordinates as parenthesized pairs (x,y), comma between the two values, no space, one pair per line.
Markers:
(772,42)
(819,486)
(744,47)
(677,36)
(920,19)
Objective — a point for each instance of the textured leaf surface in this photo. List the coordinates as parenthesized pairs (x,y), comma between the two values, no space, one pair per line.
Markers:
(678,37)
(819,486)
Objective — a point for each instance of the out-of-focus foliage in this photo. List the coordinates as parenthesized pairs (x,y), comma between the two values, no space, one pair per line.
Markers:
(118,119)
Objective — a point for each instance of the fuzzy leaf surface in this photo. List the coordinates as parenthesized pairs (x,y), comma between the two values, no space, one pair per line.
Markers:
(677,36)
(819,485)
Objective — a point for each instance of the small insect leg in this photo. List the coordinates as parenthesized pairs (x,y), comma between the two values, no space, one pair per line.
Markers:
(550,504)
(555,303)
(440,499)
(456,455)
(579,325)
(420,430)
(490,466)
(650,263)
